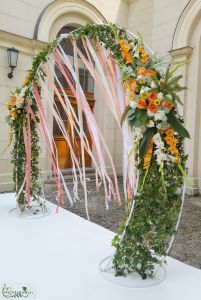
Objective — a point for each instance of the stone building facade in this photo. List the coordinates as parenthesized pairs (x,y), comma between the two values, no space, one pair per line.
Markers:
(171,28)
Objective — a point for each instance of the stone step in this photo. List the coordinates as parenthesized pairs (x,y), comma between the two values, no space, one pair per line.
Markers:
(68,176)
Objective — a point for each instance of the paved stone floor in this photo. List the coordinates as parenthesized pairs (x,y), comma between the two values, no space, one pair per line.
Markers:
(187,243)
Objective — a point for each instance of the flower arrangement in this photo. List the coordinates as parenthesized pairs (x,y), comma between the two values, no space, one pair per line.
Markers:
(158,133)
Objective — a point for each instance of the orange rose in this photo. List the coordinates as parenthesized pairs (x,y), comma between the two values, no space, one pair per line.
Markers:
(152,96)
(168,105)
(152,107)
(141,103)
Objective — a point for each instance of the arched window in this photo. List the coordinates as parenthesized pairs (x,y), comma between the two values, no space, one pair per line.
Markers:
(86,80)
(87,84)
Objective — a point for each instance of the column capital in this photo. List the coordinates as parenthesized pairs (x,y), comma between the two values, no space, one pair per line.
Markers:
(184,52)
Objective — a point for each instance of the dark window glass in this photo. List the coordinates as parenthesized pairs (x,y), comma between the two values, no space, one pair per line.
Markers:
(86,80)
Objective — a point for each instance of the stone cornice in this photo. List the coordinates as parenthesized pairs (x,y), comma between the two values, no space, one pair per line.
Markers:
(23,44)
(128,1)
(181,52)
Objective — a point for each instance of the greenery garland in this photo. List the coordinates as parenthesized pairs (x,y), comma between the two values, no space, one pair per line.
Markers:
(158,135)
(16,119)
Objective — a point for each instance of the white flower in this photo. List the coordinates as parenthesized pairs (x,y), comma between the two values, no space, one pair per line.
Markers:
(139,77)
(160,96)
(160,115)
(138,133)
(19,102)
(153,85)
(158,141)
(158,152)
(133,104)
(23,91)
(160,145)
(157,138)
(169,97)
(150,114)
(161,158)
(151,124)
(144,89)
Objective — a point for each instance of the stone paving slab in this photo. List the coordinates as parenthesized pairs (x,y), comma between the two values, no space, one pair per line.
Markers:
(187,243)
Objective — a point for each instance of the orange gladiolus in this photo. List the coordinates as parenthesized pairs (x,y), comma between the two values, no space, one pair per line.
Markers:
(141,103)
(128,58)
(144,72)
(169,132)
(141,71)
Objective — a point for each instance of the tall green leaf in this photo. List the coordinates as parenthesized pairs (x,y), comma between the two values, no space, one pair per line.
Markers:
(176,125)
(123,117)
(145,141)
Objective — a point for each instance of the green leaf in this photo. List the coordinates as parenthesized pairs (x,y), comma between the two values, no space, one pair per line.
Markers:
(127,72)
(176,125)
(145,141)
(131,112)
(144,117)
(135,122)
(123,117)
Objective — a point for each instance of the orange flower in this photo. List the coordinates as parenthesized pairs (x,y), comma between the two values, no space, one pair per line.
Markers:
(11,103)
(26,80)
(128,58)
(125,48)
(148,156)
(133,85)
(169,132)
(141,103)
(168,139)
(173,150)
(168,105)
(149,73)
(152,107)
(144,72)
(141,71)
(152,96)
(130,84)
(122,44)
(13,114)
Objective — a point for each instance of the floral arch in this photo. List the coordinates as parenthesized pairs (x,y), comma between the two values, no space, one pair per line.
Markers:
(141,92)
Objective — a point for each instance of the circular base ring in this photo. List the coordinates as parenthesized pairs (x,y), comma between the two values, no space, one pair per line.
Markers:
(132,280)
(33,212)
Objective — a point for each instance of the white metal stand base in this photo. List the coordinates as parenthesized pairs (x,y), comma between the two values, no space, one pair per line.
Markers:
(132,280)
(33,212)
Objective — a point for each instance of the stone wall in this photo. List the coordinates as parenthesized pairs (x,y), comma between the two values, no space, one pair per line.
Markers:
(160,23)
